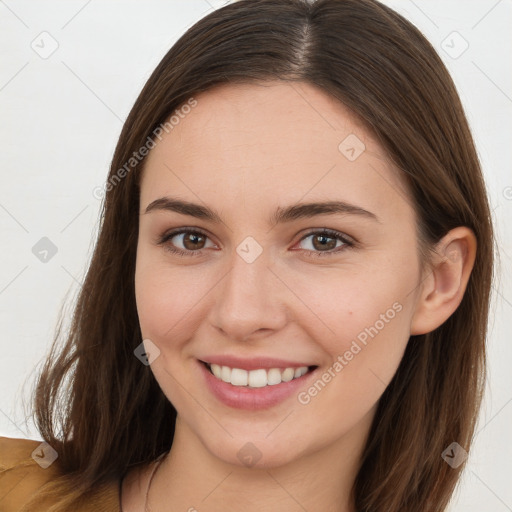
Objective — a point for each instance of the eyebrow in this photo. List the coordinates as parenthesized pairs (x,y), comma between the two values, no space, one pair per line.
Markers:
(281,214)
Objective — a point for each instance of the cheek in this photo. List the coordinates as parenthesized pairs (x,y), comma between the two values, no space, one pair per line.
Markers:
(168,299)
(362,323)
(347,304)
(167,305)
(371,332)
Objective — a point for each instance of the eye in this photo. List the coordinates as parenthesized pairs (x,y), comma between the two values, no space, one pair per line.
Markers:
(326,239)
(193,241)
(323,242)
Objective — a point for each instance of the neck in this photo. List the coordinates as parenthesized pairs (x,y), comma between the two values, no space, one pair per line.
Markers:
(192,479)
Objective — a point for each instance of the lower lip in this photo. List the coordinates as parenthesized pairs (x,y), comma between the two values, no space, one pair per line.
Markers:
(243,397)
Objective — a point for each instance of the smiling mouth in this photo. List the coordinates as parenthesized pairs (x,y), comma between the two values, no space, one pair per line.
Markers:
(257,378)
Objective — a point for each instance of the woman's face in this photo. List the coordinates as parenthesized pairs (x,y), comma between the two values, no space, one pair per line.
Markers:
(258,287)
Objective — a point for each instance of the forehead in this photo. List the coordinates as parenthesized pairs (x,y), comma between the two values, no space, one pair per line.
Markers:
(265,141)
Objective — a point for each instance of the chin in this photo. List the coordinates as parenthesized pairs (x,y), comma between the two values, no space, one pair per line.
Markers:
(256,451)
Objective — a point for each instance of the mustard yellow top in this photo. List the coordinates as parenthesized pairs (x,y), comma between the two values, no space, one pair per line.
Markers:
(19,482)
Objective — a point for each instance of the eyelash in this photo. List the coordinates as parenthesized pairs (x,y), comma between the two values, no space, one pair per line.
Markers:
(330,233)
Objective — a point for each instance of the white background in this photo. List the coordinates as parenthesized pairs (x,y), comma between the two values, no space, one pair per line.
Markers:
(60,120)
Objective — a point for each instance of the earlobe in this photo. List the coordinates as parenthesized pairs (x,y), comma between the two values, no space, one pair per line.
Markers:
(445,283)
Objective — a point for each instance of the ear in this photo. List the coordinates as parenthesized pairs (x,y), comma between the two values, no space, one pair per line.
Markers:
(444,283)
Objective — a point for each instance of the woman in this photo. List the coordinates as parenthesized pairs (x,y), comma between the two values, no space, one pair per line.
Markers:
(287,304)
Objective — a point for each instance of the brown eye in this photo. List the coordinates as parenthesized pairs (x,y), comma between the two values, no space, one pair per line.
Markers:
(321,242)
(192,241)
(325,243)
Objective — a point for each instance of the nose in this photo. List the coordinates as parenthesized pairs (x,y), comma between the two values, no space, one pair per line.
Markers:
(249,301)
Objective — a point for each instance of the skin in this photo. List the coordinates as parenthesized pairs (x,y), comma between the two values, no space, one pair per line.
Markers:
(245,150)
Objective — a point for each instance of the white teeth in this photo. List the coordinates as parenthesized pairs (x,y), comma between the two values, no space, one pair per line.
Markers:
(274,376)
(287,375)
(225,374)
(299,372)
(256,378)
(239,377)
(216,370)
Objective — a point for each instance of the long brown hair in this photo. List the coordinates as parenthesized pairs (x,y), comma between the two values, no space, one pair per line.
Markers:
(103,411)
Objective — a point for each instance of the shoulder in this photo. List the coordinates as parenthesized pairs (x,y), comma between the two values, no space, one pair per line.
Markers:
(25,466)
(15,451)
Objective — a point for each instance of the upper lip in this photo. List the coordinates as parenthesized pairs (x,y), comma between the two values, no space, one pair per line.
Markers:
(253,363)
